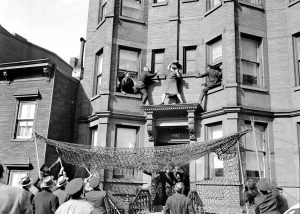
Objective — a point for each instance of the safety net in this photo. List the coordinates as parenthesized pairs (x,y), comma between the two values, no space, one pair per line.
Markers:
(143,158)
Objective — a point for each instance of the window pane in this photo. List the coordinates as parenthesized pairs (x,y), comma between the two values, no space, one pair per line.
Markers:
(24,129)
(190,67)
(249,73)
(132,8)
(215,165)
(94,137)
(298,46)
(191,54)
(15,177)
(252,170)
(98,89)
(159,57)
(215,55)
(158,1)
(129,60)
(213,3)
(26,110)
(126,137)
(249,49)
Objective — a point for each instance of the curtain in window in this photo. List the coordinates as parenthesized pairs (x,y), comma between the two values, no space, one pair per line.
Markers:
(132,8)
(129,60)
(215,55)
(26,110)
(25,119)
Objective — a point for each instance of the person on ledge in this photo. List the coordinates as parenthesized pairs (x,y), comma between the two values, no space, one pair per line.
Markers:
(127,84)
(171,88)
(214,78)
(144,82)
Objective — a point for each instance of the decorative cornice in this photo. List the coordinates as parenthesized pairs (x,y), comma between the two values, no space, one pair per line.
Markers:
(180,107)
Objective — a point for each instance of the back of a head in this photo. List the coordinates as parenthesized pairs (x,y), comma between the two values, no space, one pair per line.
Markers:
(1,171)
(179,187)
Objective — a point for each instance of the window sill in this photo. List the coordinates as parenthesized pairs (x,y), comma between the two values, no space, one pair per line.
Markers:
(212,10)
(140,21)
(100,23)
(134,96)
(187,1)
(296,88)
(189,75)
(253,88)
(22,140)
(160,4)
(216,89)
(253,6)
(293,3)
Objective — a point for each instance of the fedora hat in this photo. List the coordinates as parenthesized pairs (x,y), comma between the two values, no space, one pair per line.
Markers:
(47,182)
(262,185)
(61,181)
(74,186)
(94,182)
(25,180)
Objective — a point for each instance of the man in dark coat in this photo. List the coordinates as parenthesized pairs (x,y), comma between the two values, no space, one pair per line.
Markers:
(96,197)
(144,82)
(250,192)
(127,84)
(13,199)
(178,203)
(267,200)
(214,75)
(45,202)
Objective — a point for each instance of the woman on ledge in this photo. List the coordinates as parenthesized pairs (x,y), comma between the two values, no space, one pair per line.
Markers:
(171,88)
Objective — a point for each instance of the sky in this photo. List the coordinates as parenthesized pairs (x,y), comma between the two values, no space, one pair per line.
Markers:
(56,25)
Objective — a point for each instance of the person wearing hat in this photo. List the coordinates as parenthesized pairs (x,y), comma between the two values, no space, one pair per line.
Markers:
(76,204)
(267,200)
(96,197)
(60,191)
(45,202)
(282,201)
(13,199)
(127,84)
(171,87)
(26,184)
(250,192)
(214,78)
(144,82)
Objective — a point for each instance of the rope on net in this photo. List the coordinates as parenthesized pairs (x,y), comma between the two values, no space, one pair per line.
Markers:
(144,158)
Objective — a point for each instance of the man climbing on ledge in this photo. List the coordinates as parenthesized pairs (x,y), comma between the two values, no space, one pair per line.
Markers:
(214,79)
(144,82)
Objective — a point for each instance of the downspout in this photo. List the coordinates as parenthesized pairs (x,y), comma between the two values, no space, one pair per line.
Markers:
(178,29)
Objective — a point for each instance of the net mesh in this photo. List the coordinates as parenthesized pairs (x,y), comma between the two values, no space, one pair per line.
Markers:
(144,158)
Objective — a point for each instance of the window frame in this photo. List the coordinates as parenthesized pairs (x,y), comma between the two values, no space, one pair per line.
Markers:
(141,12)
(210,7)
(296,51)
(17,119)
(209,51)
(258,63)
(153,62)
(93,130)
(134,171)
(120,72)
(185,50)
(102,8)
(98,76)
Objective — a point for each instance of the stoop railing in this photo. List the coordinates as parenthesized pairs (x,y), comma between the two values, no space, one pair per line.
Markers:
(141,203)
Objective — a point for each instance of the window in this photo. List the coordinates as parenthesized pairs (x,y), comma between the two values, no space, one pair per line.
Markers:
(25,119)
(210,4)
(214,49)
(102,10)
(15,177)
(297,58)
(249,156)
(158,61)
(251,73)
(257,2)
(132,9)
(94,136)
(128,63)
(126,137)
(216,168)
(189,62)
(98,72)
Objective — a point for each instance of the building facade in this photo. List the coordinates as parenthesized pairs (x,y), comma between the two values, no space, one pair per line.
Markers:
(257,43)
(38,94)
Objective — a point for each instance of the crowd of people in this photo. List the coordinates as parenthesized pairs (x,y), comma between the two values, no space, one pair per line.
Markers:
(265,197)
(48,195)
(128,85)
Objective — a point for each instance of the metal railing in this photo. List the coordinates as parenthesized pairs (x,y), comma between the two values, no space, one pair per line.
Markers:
(141,203)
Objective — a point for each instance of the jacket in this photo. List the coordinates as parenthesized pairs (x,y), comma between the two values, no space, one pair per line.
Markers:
(178,204)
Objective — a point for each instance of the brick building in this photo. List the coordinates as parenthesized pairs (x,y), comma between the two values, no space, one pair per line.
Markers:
(37,94)
(257,43)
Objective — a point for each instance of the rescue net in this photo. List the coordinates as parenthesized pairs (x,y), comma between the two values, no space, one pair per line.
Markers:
(144,158)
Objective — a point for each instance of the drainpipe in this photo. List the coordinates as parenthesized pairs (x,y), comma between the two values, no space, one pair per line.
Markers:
(82,40)
(178,28)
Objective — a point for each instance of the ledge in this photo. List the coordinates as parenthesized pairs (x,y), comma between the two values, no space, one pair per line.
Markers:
(216,89)
(139,21)
(100,23)
(134,96)
(293,3)
(252,88)
(296,88)
(181,107)
(212,10)
(160,4)
(187,1)
(253,6)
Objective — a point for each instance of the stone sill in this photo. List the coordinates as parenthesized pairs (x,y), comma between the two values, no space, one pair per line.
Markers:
(293,3)
(253,88)
(133,96)
(159,4)
(187,1)
(212,10)
(253,6)
(22,140)
(216,89)
(100,23)
(139,21)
